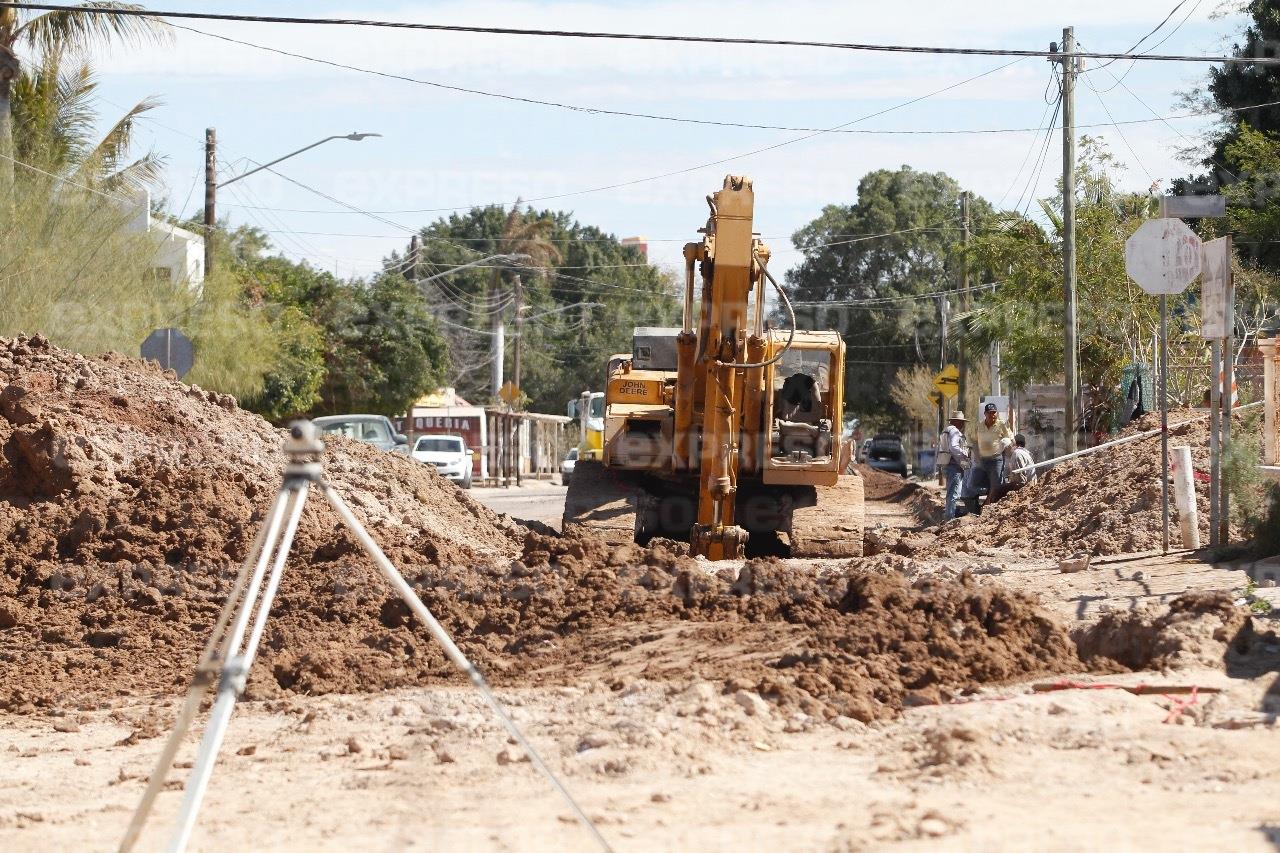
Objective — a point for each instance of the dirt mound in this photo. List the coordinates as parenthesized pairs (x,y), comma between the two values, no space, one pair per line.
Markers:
(1196,629)
(121,487)
(1106,503)
(880,485)
(128,498)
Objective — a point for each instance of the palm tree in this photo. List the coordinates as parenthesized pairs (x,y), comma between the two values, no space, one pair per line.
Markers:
(54,124)
(89,25)
(526,235)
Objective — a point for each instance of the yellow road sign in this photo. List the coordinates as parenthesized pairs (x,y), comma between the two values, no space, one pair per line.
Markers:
(509,393)
(947,382)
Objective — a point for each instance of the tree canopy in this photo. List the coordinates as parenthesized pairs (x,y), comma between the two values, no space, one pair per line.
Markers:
(582,293)
(899,240)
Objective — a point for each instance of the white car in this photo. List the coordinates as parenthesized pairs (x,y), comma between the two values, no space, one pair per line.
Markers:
(567,466)
(450,455)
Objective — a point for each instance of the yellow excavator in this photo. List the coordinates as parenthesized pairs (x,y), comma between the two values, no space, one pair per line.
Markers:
(727,432)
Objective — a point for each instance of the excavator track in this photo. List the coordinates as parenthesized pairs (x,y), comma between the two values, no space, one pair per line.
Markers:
(833,526)
(602,502)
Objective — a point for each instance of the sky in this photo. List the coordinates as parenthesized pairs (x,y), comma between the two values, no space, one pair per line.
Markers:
(444,150)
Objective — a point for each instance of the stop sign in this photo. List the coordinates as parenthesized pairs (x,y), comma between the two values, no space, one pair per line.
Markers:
(1162,256)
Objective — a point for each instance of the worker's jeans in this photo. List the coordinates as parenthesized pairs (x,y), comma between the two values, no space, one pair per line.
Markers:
(985,472)
(955,479)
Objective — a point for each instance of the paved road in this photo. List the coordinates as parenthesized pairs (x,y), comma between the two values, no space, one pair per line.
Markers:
(537,501)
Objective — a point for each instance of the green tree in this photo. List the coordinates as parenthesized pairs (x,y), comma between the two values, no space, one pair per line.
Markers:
(1117,320)
(49,33)
(1235,91)
(582,301)
(897,241)
(384,349)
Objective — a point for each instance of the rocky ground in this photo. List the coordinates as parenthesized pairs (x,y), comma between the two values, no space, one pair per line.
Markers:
(902,698)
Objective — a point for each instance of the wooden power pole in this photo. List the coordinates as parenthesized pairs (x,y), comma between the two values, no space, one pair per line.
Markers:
(1071,381)
(962,362)
(518,302)
(210,196)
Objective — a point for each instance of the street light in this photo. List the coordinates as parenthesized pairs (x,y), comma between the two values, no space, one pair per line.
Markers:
(353,137)
(211,185)
(513,258)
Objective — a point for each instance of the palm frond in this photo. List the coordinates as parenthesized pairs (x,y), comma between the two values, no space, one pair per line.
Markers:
(108,157)
(1052,214)
(53,116)
(96,24)
(145,172)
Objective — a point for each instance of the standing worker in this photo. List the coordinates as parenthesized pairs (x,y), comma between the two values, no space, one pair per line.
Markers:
(993,438)
(953,457)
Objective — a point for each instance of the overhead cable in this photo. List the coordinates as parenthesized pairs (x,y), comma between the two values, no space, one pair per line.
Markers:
(616,36)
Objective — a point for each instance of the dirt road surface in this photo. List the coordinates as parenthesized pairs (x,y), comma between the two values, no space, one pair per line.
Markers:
(669,766)
(680,765)
(953,689)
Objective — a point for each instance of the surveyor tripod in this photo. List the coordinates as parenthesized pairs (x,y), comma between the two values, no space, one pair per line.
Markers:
(229,653)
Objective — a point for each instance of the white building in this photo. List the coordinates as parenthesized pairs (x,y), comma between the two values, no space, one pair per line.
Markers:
(179,255)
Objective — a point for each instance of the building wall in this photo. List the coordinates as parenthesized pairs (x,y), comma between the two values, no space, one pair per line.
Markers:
(179,254)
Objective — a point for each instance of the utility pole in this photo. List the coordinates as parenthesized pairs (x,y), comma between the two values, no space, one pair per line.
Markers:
(518,301)
(942,357)
(497,350)
(963,298)
(210,196)
(415,250)
(1071,380)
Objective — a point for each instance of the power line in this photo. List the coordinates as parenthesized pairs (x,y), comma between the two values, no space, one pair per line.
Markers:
(1139,42)
(1123,138)
(662,175)
(1168,36)
(873,301)
(1033,177)
(616,36)
(578,108)
(1156,117)
(1035,141)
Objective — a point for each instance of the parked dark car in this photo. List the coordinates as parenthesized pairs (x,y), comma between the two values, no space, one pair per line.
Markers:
(886,453)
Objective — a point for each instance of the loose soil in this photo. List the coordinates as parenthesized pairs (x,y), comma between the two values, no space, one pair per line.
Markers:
(687,704)
(127,497)
(1103,504)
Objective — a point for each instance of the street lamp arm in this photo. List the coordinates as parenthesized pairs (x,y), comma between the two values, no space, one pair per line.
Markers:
(354,137)
(514,258)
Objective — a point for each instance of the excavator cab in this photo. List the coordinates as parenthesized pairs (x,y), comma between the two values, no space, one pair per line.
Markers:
(804,408)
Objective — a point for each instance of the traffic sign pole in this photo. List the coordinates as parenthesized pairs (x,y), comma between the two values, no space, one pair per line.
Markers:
(1163,256)
(1164,420)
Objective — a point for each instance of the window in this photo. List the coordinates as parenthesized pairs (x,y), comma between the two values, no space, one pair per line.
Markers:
(375,431)
(435,444)
(371,431)
(815,363)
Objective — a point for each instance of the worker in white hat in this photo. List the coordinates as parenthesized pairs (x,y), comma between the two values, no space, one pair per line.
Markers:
(993,437)
(953,460)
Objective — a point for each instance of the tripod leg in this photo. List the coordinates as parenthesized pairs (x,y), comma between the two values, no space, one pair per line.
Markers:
(202,679)
(437,631)
(234,673)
